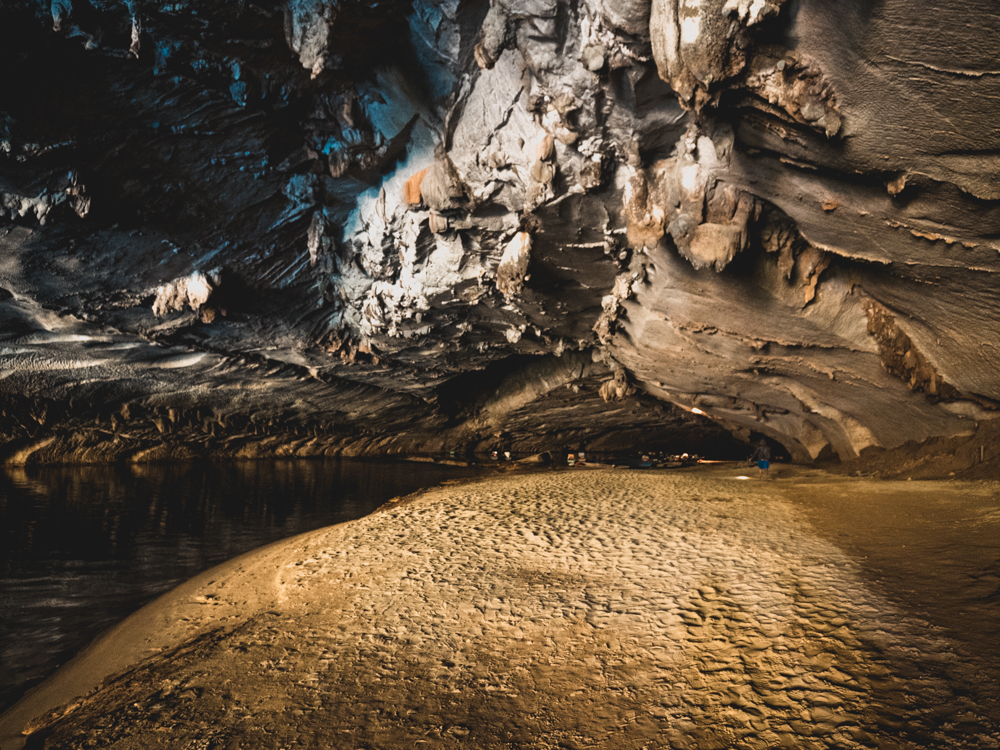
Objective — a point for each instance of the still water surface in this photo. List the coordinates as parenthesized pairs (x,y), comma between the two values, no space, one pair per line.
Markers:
(82,547)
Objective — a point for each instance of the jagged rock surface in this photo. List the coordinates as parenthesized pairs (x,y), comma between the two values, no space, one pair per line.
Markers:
(308,226)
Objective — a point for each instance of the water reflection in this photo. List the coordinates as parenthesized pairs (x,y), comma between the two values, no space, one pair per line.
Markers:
(82,547)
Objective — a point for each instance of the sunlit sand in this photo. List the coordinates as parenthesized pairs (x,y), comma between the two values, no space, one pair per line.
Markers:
(577,609)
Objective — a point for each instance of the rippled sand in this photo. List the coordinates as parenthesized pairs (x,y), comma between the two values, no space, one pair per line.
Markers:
(575,609)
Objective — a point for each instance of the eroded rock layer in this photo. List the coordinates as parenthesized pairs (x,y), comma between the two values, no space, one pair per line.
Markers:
(310,226)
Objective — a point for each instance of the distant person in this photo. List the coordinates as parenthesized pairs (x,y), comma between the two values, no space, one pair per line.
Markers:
(763,458)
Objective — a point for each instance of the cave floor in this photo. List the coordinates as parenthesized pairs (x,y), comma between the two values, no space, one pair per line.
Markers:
(576,609)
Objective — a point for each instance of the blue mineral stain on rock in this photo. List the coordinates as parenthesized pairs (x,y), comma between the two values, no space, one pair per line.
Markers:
(434,36)
(163,51)
(239,91)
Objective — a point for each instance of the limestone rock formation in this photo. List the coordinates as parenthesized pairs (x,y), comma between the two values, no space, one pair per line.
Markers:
(314,226)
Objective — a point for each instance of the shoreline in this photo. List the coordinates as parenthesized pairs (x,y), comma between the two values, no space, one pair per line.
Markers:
(419,553)
(90,545)
(160,626)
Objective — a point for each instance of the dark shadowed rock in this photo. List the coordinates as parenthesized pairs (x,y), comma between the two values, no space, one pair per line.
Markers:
(314,226)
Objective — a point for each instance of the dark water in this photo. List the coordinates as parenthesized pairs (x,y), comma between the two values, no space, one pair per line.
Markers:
(82,547)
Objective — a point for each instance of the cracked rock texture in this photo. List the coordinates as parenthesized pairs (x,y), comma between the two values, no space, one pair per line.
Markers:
(317,226)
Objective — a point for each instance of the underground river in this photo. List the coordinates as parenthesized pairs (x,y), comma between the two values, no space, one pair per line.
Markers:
(82,547)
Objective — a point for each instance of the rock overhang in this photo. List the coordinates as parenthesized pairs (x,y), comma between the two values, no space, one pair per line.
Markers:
(313,227)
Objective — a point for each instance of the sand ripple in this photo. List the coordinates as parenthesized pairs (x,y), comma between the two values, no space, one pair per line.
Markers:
(602,609)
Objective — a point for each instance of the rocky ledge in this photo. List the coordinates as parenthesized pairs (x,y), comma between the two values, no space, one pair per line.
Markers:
(317,226)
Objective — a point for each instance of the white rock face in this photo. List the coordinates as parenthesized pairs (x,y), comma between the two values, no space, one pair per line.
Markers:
(514,265)
(425,200)
(190,291)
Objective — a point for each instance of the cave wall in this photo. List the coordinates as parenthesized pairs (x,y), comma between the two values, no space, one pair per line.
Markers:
(311,226)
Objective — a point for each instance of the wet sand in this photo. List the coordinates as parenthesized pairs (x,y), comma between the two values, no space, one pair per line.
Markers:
(604,609)
(933,546)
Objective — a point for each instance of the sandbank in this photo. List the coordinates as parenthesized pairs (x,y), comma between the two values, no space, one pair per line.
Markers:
(606,609)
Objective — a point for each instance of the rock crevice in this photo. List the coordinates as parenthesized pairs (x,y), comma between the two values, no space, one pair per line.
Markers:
(322,216)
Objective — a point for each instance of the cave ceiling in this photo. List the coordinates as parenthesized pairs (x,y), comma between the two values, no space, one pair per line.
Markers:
(321,226)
